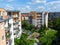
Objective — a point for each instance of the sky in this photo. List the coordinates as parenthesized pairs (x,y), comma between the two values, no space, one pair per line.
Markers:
(31,5)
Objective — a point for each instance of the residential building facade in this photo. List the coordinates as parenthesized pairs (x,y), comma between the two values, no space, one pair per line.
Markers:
(12,27)
(2,33)
(38,19)
(24,16)
(2,26)
(52,17)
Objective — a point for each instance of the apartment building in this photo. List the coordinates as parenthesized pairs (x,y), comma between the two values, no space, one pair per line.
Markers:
(2,32)
(25,16)
(53,15)
(12,26)
(16,19)
(2,26)
(38,19)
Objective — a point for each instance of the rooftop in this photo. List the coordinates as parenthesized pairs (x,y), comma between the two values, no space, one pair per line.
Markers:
(12,10)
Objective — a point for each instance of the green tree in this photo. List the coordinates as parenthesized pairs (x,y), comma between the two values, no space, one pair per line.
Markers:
(24,41)
(26,25)
(50,24)
(56,23)
(48,36)
(57,27)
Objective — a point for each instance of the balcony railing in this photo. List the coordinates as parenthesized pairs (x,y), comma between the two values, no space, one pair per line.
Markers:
(17,22)
(9,42)
(15,26)
(39,18)
(15,31)
(16,34)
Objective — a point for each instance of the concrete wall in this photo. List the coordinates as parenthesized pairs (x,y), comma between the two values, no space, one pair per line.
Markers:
(25,18)
(3,12)
(34,22)
(2,34)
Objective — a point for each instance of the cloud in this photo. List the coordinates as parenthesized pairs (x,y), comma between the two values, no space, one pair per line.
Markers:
(53,2)
(10,0)
(40,8)
(48,6)
(1,0)
(29,2)
(28,7)
(25,9)
(9,7)
(36,5)
(53,6)
(39,1)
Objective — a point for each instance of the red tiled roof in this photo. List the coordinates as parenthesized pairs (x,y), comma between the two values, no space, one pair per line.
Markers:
(25,14)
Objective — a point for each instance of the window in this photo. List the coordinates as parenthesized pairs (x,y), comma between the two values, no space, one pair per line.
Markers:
(9,13)
(3,37)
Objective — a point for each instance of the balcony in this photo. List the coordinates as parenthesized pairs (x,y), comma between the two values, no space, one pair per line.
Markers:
(15,26)
(17,22)
(39,21)
(16,34)
(39,18)
(15,16)
(9,42)
(15,31)
(7,29)
(8,35)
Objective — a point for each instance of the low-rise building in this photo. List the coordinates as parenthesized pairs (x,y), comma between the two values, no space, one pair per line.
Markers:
(25,16)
